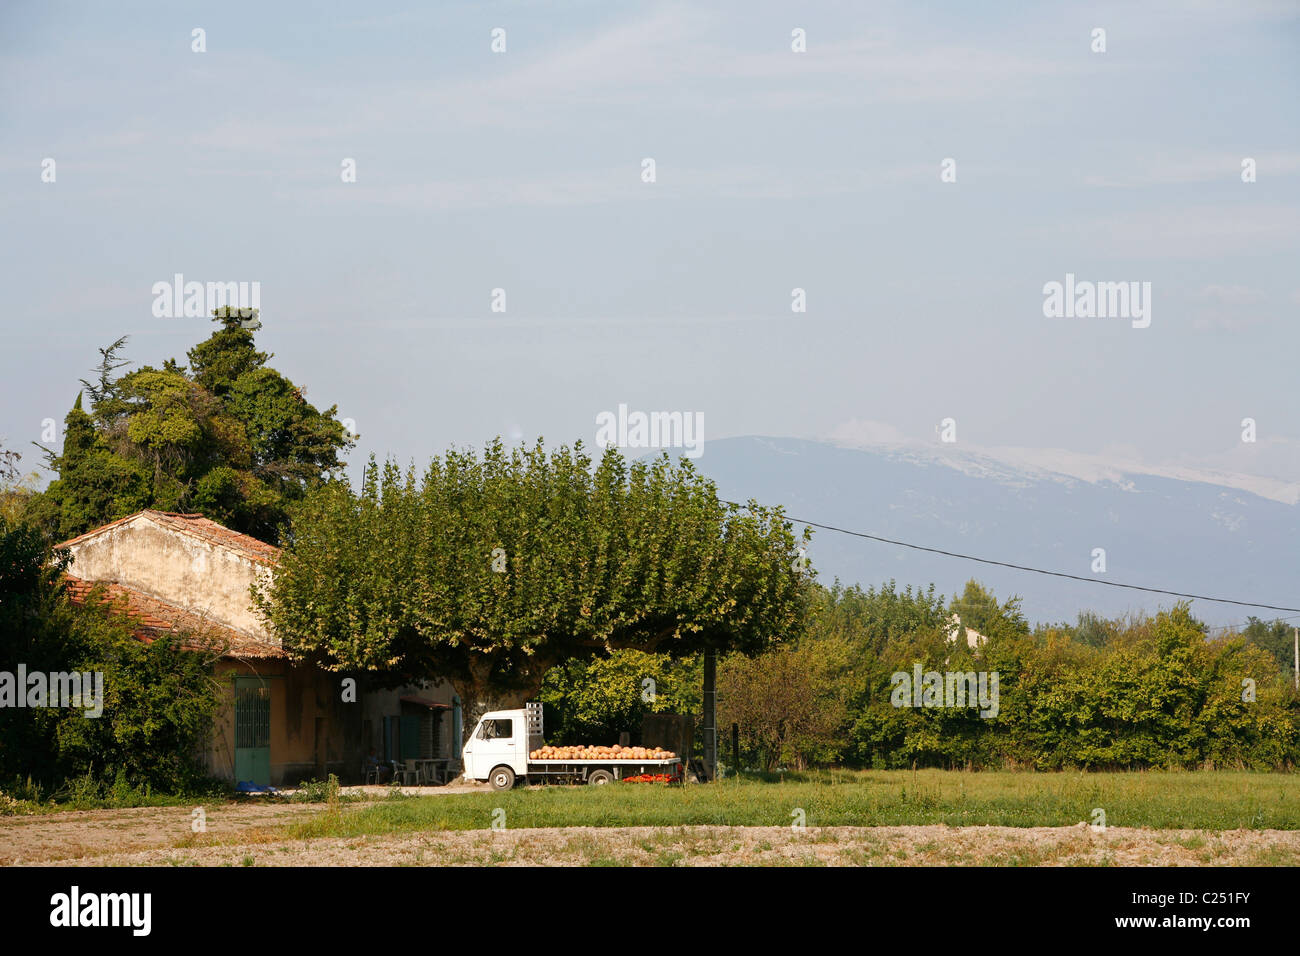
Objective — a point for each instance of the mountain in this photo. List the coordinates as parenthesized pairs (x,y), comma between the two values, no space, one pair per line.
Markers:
(1177,530)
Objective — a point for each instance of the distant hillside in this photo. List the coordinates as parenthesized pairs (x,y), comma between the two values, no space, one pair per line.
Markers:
(1158,531)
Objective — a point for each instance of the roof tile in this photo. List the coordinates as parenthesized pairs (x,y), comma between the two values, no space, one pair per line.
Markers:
(153,618)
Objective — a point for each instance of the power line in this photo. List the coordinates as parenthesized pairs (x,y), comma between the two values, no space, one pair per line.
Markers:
(1022,567)
(1240,624)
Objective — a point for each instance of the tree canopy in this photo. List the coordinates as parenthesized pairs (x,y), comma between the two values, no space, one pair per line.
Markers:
(1143,691)
(228,437)
(8,464)
(1276,637)
(491,569)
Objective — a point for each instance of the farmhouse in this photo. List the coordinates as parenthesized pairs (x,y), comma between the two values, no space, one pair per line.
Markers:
(283,720)
(974,639)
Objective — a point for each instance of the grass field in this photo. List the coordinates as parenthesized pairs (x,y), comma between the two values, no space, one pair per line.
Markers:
(876,818)
(1218,800)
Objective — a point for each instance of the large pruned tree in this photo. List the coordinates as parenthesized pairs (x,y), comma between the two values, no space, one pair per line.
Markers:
(229,437)
(490,570)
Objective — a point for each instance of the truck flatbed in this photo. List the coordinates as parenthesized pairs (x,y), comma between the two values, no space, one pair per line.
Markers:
(662,761)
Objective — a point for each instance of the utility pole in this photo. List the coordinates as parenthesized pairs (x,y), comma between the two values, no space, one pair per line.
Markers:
(1296,632)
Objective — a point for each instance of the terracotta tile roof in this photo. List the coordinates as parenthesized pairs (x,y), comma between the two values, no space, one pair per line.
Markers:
(199,527)
(209,530)
(153,618)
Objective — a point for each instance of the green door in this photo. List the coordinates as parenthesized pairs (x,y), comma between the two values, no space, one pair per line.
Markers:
(252,731)
(410,737)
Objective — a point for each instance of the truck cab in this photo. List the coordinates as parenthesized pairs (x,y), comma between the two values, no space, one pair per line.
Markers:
(497,750)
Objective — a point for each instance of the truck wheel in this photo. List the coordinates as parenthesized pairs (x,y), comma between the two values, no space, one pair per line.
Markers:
(598,778)
(501,778)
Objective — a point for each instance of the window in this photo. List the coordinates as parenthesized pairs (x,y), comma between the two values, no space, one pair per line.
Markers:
(499,729)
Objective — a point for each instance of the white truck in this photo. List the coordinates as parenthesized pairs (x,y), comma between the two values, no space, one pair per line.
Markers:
(498,753)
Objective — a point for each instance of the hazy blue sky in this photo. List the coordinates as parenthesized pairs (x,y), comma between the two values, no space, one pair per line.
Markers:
(821,170)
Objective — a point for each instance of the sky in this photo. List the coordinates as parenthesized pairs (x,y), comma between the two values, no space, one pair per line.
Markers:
(523,170)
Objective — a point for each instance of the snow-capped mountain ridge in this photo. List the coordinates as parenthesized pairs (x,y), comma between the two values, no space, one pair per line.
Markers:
(1172,528)
(1016,466)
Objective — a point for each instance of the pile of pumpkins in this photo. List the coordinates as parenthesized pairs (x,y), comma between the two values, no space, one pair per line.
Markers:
(580,752)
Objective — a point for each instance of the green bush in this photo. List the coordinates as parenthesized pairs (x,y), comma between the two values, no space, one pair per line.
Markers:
(322,791)
(159,700)
(1146,692)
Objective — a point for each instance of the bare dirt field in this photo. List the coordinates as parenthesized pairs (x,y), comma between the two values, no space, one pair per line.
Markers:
(245,835)
(88,834)
(91,834)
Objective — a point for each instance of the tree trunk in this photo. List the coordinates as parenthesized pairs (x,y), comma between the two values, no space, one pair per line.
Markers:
(477,700)
(479,694)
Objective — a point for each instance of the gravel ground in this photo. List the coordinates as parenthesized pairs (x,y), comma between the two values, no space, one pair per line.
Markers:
(161,837)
